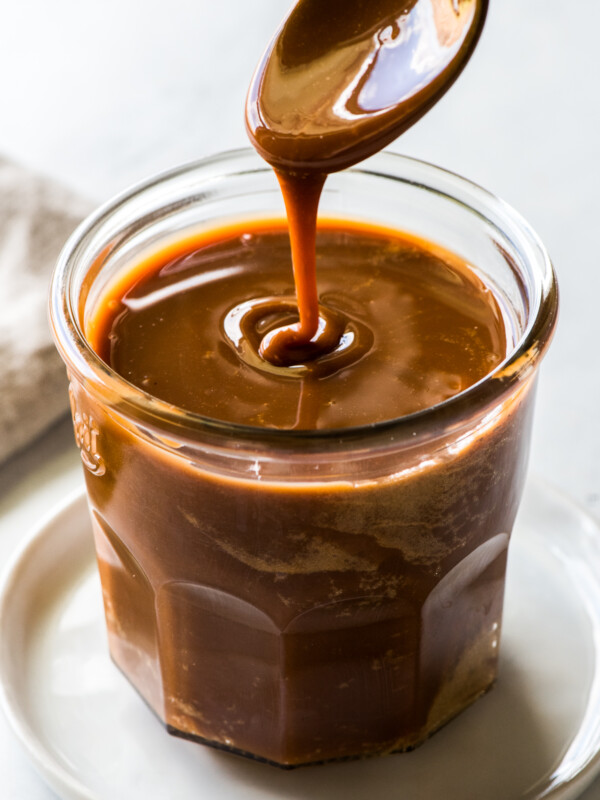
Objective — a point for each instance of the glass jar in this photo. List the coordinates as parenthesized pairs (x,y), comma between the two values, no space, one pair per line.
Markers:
(300,596)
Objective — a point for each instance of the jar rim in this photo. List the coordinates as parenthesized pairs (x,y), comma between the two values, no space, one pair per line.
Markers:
(161,416)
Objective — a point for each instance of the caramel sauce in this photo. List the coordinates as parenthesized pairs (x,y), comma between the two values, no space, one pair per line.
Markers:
(413,326)
(302,619)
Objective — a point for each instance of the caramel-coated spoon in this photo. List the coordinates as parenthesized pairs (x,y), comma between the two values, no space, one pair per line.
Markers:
(342,78)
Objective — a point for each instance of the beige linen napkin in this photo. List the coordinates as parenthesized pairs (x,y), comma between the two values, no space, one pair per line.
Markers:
(36,217)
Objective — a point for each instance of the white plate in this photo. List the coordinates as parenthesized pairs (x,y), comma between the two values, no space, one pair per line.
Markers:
(536,735)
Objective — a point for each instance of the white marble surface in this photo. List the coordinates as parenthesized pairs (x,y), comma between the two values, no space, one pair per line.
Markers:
(101,94)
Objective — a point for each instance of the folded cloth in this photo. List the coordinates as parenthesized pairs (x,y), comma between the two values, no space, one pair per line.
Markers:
(36,217)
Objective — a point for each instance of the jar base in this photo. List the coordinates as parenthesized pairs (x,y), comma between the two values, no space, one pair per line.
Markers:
(408,747)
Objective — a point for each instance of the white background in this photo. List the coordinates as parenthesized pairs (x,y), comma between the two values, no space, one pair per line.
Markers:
(102,94)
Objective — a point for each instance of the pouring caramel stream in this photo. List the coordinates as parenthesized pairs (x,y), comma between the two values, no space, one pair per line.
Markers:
(339,81)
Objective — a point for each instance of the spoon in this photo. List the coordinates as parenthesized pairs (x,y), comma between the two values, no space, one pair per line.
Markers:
(341,79)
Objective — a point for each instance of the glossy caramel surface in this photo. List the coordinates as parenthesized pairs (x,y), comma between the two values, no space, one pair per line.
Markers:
(413,326)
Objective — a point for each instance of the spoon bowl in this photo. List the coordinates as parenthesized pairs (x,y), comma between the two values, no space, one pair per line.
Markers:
(340,80)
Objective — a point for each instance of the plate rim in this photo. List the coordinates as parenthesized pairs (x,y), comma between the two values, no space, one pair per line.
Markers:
(56,776)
